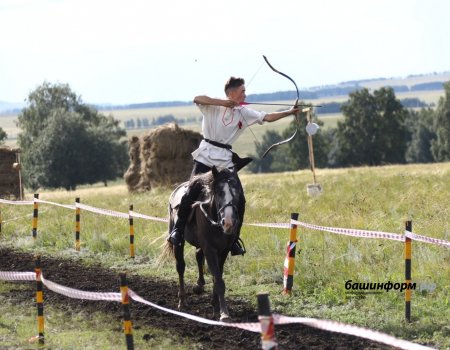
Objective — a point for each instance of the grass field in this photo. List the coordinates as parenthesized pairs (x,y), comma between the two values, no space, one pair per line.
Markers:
(377,198)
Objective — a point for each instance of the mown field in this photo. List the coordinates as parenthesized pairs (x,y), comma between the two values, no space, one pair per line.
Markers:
(378,198)
(245,144)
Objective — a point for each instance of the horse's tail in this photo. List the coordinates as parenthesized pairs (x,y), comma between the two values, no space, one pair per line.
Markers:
(165,255)
(167,252)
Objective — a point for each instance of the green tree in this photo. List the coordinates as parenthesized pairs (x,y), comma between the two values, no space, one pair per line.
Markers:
(297,150)
(373,131)
(3,136)
(264,165)
(422,132)
(66,143)
(440,147)
(293,155)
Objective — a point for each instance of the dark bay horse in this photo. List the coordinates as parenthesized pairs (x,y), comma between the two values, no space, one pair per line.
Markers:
(214,224)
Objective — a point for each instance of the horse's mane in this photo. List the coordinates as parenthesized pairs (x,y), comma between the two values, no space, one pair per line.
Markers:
(207,182)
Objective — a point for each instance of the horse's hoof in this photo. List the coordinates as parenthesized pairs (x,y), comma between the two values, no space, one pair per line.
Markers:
(225,317)
(198,289)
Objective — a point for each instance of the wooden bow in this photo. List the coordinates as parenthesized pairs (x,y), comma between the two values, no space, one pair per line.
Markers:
(295,105)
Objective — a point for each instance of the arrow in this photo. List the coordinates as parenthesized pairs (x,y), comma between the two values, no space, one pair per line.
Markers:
(276,104)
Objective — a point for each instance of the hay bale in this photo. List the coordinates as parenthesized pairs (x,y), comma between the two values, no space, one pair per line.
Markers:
(161,157)
(133,176)
(10,182)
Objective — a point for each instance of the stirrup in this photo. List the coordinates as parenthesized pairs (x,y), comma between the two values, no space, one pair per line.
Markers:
(238,248)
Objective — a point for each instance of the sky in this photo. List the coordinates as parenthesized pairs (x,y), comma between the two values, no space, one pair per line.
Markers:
(136,51)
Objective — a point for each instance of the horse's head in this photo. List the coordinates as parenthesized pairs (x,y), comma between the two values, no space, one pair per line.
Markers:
(228,199)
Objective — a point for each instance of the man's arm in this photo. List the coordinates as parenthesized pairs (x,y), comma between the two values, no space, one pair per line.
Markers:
(271,117)
(206,100)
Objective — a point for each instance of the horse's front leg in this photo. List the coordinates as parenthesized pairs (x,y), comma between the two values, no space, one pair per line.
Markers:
(200,257)
(224,314)
(181,266)
(216,266)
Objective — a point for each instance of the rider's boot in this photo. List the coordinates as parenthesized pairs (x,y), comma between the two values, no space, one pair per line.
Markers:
(237,248)
(176,236)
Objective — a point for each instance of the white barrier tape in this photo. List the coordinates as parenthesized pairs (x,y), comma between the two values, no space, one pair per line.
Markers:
(6,201)
(79,294)
(17,276)
(142,216)
(252,327)
(352,232)
(427,239)
(342,231)
(272,225)
(249,326)
(111,296)
(102,211)
(352,330)
(72,207)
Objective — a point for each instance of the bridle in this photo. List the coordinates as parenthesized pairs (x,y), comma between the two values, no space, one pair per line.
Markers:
(219,211)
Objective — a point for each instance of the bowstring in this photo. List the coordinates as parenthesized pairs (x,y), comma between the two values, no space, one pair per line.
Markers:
(243,117)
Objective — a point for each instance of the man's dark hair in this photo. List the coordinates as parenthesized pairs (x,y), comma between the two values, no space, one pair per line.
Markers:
(233,83)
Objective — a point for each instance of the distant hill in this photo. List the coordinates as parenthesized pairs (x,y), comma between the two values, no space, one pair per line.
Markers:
(10,107)
(419,82)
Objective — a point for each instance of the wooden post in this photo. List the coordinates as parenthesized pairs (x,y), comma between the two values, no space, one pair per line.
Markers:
(313,189)
(289,262)
(408,254)
(77,225)
(130,219)
(35,216)
(311,158)
(39,299)
(127,327)
(310,146)
(19,167)
(268,341)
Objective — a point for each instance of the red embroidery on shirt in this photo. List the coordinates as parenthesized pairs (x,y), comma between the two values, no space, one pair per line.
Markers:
(223,117)
(240,125)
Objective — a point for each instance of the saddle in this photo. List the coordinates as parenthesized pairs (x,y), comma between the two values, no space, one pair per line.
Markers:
(175,200)
(177,194)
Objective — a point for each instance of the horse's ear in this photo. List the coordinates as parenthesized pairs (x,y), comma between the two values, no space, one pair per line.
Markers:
(215,172)
(239,162)
(242,162)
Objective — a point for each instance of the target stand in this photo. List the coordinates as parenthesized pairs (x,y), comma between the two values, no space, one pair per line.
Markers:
(315,188)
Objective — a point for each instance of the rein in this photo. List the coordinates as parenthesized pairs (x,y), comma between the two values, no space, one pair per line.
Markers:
(211,221)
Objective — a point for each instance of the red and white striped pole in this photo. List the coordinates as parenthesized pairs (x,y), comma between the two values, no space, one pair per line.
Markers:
(268,341)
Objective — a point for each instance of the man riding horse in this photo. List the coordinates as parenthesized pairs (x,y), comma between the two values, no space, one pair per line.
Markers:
(224,120)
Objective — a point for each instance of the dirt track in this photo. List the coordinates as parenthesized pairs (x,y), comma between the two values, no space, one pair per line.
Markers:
(95,278)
